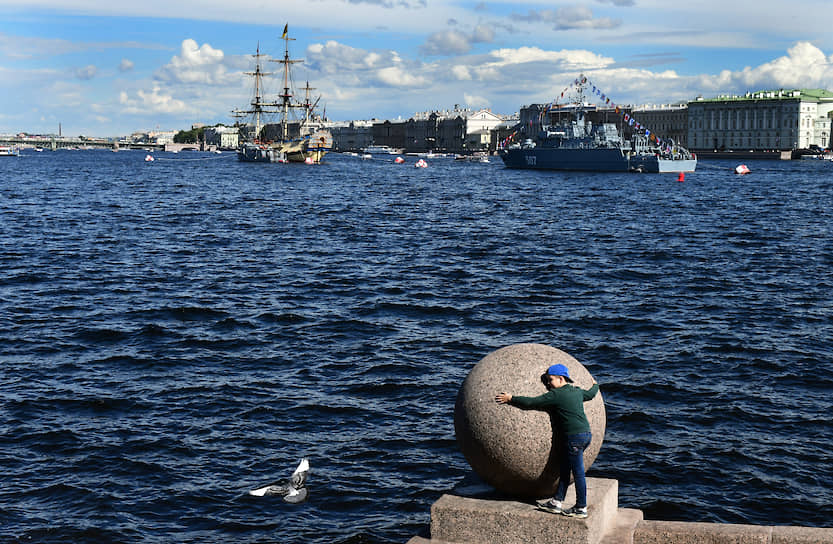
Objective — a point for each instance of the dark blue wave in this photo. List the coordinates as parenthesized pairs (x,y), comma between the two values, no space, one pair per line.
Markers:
(174,334)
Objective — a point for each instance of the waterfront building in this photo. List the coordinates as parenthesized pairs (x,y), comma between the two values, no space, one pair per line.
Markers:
(390,133)
(162,137)
(352,136)
(222,137)
(458,130)
(764,120)
(481,125)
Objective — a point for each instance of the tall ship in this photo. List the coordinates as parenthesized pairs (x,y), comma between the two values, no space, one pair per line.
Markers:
(295,137)
(565,139)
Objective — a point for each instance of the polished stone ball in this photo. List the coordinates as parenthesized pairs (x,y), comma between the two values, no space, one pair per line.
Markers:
(514,450)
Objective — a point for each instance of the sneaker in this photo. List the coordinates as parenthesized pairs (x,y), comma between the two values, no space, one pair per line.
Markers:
(575,512)
(551,505)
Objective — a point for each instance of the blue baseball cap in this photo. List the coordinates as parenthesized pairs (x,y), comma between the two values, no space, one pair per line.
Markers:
(560,370)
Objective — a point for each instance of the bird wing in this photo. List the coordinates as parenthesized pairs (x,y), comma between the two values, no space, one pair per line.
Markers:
(292,489)
(271,489)
(299,476)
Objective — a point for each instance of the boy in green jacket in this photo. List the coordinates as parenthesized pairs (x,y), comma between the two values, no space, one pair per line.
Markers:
(565,403)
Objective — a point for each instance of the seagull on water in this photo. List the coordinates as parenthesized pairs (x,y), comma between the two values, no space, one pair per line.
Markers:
(293,490)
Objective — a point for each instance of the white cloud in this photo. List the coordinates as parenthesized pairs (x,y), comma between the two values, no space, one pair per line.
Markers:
(575,17)
(564,59)
(804,65)
(195,64)
(475,101)
(447,42)
(456,42)
(581,17)
(333,57)
(153,102)
(483,34)
(396,76)
(461,72)
(125,65)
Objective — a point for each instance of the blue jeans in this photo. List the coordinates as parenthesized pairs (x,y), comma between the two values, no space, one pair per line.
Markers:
(572,460)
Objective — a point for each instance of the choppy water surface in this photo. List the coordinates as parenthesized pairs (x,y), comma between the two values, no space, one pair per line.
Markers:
(176,332)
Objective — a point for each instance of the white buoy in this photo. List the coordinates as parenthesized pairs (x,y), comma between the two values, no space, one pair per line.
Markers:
(742,169)
(421,164)
(398,160)
(148,158)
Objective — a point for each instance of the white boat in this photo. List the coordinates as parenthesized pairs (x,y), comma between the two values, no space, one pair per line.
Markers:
(9,151)
(380,150)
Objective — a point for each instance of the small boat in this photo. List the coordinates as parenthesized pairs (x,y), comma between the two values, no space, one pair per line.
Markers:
(474,157)
(9,151)
(380,150)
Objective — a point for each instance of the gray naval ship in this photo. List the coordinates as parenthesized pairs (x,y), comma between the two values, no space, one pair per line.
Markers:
(578,144)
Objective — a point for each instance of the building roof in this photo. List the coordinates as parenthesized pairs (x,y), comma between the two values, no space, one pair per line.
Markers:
(805,95)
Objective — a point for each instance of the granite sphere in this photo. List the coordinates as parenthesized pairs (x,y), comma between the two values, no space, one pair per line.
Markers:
(514,450)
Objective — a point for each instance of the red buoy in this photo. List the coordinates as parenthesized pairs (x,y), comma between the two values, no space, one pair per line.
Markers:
(681,177)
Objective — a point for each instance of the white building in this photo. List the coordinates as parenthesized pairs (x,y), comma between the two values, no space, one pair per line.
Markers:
(223,137)
(481,120)
(763,120)
(480,125)
(163,137)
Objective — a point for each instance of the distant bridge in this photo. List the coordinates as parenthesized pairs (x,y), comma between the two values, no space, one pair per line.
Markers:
(92,143)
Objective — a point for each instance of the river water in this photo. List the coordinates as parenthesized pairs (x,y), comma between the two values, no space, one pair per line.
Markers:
(176,332)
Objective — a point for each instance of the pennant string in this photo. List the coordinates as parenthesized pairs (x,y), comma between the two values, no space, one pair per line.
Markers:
(665,145)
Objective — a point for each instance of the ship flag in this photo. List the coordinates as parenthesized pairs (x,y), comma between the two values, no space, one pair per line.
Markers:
(285,30)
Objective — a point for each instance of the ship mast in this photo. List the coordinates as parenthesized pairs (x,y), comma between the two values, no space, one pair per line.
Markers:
(257,102)
(286,96)
(307,105)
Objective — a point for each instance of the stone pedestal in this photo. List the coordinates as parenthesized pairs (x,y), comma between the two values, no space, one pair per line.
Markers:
(467,520)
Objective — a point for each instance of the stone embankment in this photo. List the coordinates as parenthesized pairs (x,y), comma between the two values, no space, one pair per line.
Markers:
(467,520)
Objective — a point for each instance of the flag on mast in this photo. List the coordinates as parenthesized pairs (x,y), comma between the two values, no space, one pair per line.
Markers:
(285,29)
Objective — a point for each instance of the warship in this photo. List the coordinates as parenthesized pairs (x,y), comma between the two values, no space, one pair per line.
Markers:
(567,140)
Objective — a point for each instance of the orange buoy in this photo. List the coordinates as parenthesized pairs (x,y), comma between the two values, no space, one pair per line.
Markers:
(681,177)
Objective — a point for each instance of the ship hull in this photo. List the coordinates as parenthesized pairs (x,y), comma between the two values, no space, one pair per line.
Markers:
(287,152)
(255,153)
(592,160)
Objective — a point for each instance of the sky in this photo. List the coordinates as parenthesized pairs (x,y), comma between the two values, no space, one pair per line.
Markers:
(113,68)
